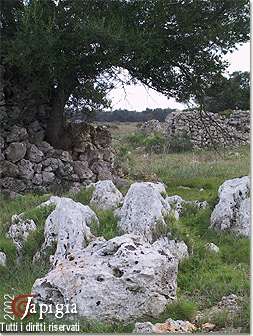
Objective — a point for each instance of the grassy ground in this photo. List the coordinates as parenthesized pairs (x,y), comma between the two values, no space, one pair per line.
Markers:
(203,278)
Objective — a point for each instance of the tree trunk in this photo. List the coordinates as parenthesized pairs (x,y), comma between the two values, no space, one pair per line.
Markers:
(55,125)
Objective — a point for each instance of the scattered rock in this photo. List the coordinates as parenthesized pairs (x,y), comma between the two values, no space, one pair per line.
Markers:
(143,211)
(229,305)
(208,326)
(122,279)
(19,230)
(170,326)
(106,195)
(2,259)
(232,213)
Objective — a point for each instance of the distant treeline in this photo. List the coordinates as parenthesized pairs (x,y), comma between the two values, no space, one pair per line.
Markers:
(122,115)
(133,116)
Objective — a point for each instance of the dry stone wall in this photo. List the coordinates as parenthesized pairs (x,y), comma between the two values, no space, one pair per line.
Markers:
(209,129)
(28,162)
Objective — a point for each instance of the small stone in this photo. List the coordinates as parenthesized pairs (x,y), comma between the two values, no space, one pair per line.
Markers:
(34,154)
(208,326)
(82,170)
(26,169)
(17,134)
(48,177)
(8,168)
(16,151)
(211,247)
(2,259)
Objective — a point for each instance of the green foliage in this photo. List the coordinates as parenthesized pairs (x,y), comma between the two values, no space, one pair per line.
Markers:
(7,246)
(229,94)
(36,238)
(96,327)
(180,143)
(83,196)
(153,143)
(107,226)
(16,206)
(72,50)
(182,309)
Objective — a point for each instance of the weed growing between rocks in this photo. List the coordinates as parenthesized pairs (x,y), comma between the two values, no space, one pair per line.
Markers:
(107,226)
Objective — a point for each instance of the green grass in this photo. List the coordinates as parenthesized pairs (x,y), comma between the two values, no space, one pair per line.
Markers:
(107,226)
(36,238)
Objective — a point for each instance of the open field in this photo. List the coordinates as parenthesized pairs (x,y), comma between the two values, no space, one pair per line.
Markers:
(203,278)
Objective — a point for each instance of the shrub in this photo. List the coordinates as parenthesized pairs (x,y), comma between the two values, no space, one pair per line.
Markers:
(182,310)
(180,143)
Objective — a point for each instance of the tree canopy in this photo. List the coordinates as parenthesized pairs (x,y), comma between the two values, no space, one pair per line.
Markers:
(229,93)
(73,49)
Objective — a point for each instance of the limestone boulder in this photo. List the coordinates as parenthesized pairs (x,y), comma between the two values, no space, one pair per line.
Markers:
(232,213)
(16,151)
(19,230)
(122,279)
(143,211)
(67,227)
(106,195)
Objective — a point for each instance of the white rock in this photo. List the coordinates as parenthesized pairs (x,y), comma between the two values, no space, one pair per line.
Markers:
(121,279)
(243,218)
(178,248)
(159,186)
(2,259)
(170,326)
(177,203)
(20,230)
(67,227)
(106,195)
(143,210)
(232,213)
(211,247)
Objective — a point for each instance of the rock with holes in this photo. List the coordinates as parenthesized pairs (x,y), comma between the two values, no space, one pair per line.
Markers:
(106,195)
(121,280)
(3,259)
(178,248)
(67,227)
(143,211)
(232,213)
(19,230)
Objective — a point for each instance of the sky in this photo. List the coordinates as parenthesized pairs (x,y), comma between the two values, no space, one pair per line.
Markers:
(138,97)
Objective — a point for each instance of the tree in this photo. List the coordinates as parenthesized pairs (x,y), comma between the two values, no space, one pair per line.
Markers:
(73,49)
(229,93)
